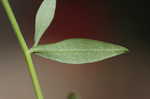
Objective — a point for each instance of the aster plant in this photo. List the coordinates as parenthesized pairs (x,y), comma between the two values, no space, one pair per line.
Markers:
(70,51)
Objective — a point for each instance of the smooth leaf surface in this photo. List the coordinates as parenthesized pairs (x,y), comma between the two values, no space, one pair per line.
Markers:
(44,18)
(79,51)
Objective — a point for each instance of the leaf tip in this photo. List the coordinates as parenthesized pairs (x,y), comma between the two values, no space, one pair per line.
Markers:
(125,50)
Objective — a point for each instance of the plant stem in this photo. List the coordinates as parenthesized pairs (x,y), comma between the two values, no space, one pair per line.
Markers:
(24,47)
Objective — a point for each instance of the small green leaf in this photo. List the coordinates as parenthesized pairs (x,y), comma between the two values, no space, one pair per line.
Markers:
(79,51)
(44,18)
(72,96)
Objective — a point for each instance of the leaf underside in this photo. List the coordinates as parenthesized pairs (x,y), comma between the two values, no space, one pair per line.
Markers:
(44,18)
(79,51)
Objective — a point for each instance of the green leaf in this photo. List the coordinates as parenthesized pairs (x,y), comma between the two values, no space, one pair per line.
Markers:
(79,51)
(44,18)
(72,96)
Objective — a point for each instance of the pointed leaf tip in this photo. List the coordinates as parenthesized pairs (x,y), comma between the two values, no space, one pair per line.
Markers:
(44,18)
(79,51)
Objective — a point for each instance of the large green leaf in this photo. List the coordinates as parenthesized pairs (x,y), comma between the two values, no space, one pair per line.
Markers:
(79,51)
(44,18)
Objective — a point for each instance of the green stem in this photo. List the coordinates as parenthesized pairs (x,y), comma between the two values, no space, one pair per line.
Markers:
(24,47)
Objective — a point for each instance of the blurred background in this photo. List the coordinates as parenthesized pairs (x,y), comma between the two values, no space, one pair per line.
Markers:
(123,22)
